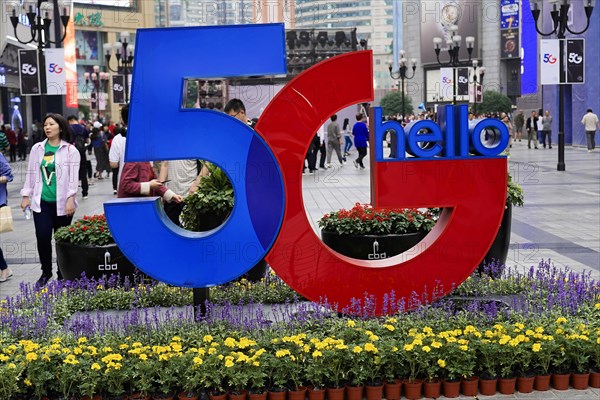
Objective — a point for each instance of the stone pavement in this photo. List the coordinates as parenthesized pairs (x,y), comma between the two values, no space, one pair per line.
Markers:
(560,219)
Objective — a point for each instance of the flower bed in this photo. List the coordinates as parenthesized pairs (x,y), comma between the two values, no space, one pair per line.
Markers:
(553,325)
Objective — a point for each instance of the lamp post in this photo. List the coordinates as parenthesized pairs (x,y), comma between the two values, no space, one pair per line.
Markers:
(560,22)
(123,51)
(453,51)
(39,23)
(98,81)
(478,74)
(402,75)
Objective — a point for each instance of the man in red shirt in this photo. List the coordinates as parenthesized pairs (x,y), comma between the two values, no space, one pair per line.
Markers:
(11,136)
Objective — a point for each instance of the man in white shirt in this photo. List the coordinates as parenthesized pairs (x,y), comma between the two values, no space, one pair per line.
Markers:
(590,121)
(116,156)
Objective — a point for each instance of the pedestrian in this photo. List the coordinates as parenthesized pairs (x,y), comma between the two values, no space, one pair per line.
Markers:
(183,178)
(519,122)
(116,155)
(360,131)
(101,151)
(11,136)
(334,141)
(5,177)
(50,188)
(509,126)
(3,140)
(311,155)
(22,139)
(547,129)
(138,180)
(80,140)
(590,122)
(540,115)
(532,127)
(322,146)
(347,136)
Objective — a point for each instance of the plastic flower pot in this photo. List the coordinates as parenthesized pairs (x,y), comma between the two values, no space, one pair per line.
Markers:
(374,392)
(299,394)
(595,379)
(237,395)
(580,381)
(413,390)
(335,393)
(316,394)
(393,390)
(277,395)
(542,383)
(468,387)
(560,381)
(258,396)
(187,396)
(451,388)
(354,392)
(487,387)
(432,389)
(507,385)
(525,384)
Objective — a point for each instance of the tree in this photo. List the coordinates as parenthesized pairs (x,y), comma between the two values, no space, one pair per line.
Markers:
(494,102)
(392,103)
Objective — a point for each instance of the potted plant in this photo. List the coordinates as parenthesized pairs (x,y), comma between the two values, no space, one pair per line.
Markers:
(87,246)
(210,205)
(495,259)
(368,233)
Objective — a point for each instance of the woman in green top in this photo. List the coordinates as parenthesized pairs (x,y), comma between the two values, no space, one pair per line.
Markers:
(50,188)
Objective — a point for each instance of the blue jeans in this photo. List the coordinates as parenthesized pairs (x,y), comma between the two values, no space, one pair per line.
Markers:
(46,222)
(348,144)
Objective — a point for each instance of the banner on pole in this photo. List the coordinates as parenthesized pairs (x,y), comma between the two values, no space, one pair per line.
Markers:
(575,61)
(447,83)
(29,75)
(56,74)
(118,89)
(550,61)
(462,87)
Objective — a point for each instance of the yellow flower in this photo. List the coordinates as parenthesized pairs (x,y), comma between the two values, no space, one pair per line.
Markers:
(394,320)
(436,345)
(228,363)
(536,347)
(370,348)
(441,363)
(373,338)
(561,320)
(27,382)
(31,356)
(597,306)
(389,327)
(95,366)
(143,357)
(176,339)
(317,354)
(229,342)
(281,353)
(207,338)
(81,340)
(197,361)
(357,349)
(408,347)
(11,366)
(256,364)
(426,349)
(464,347)
(351,323)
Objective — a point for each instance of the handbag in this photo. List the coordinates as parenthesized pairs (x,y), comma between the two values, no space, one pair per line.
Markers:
(6,219)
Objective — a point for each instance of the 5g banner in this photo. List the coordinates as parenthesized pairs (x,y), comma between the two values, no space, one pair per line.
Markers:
(56,75)
(28,72)
(118,89)
(575,61)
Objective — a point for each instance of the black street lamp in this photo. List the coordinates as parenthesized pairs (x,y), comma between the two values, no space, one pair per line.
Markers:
(124,54)
(560,21)
(39,23)
(478,74)
(99,82)
(402,75)
(453,44)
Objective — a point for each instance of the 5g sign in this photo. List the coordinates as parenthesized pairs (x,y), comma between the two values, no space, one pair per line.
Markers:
(268,217)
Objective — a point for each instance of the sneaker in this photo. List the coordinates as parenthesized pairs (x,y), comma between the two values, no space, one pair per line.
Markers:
(361,167)
(6,275)
(355,163)
(589,151)
(114,191)
(535,148)
(85,197)
(549,147)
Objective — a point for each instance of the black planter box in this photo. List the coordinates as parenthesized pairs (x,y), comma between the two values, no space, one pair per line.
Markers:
(95,261)
(371,247)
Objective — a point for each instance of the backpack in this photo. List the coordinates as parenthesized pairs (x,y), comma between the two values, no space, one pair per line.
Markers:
(80,143)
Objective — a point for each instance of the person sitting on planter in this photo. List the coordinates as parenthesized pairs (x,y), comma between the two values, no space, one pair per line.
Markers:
(51,187)
(138,180)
